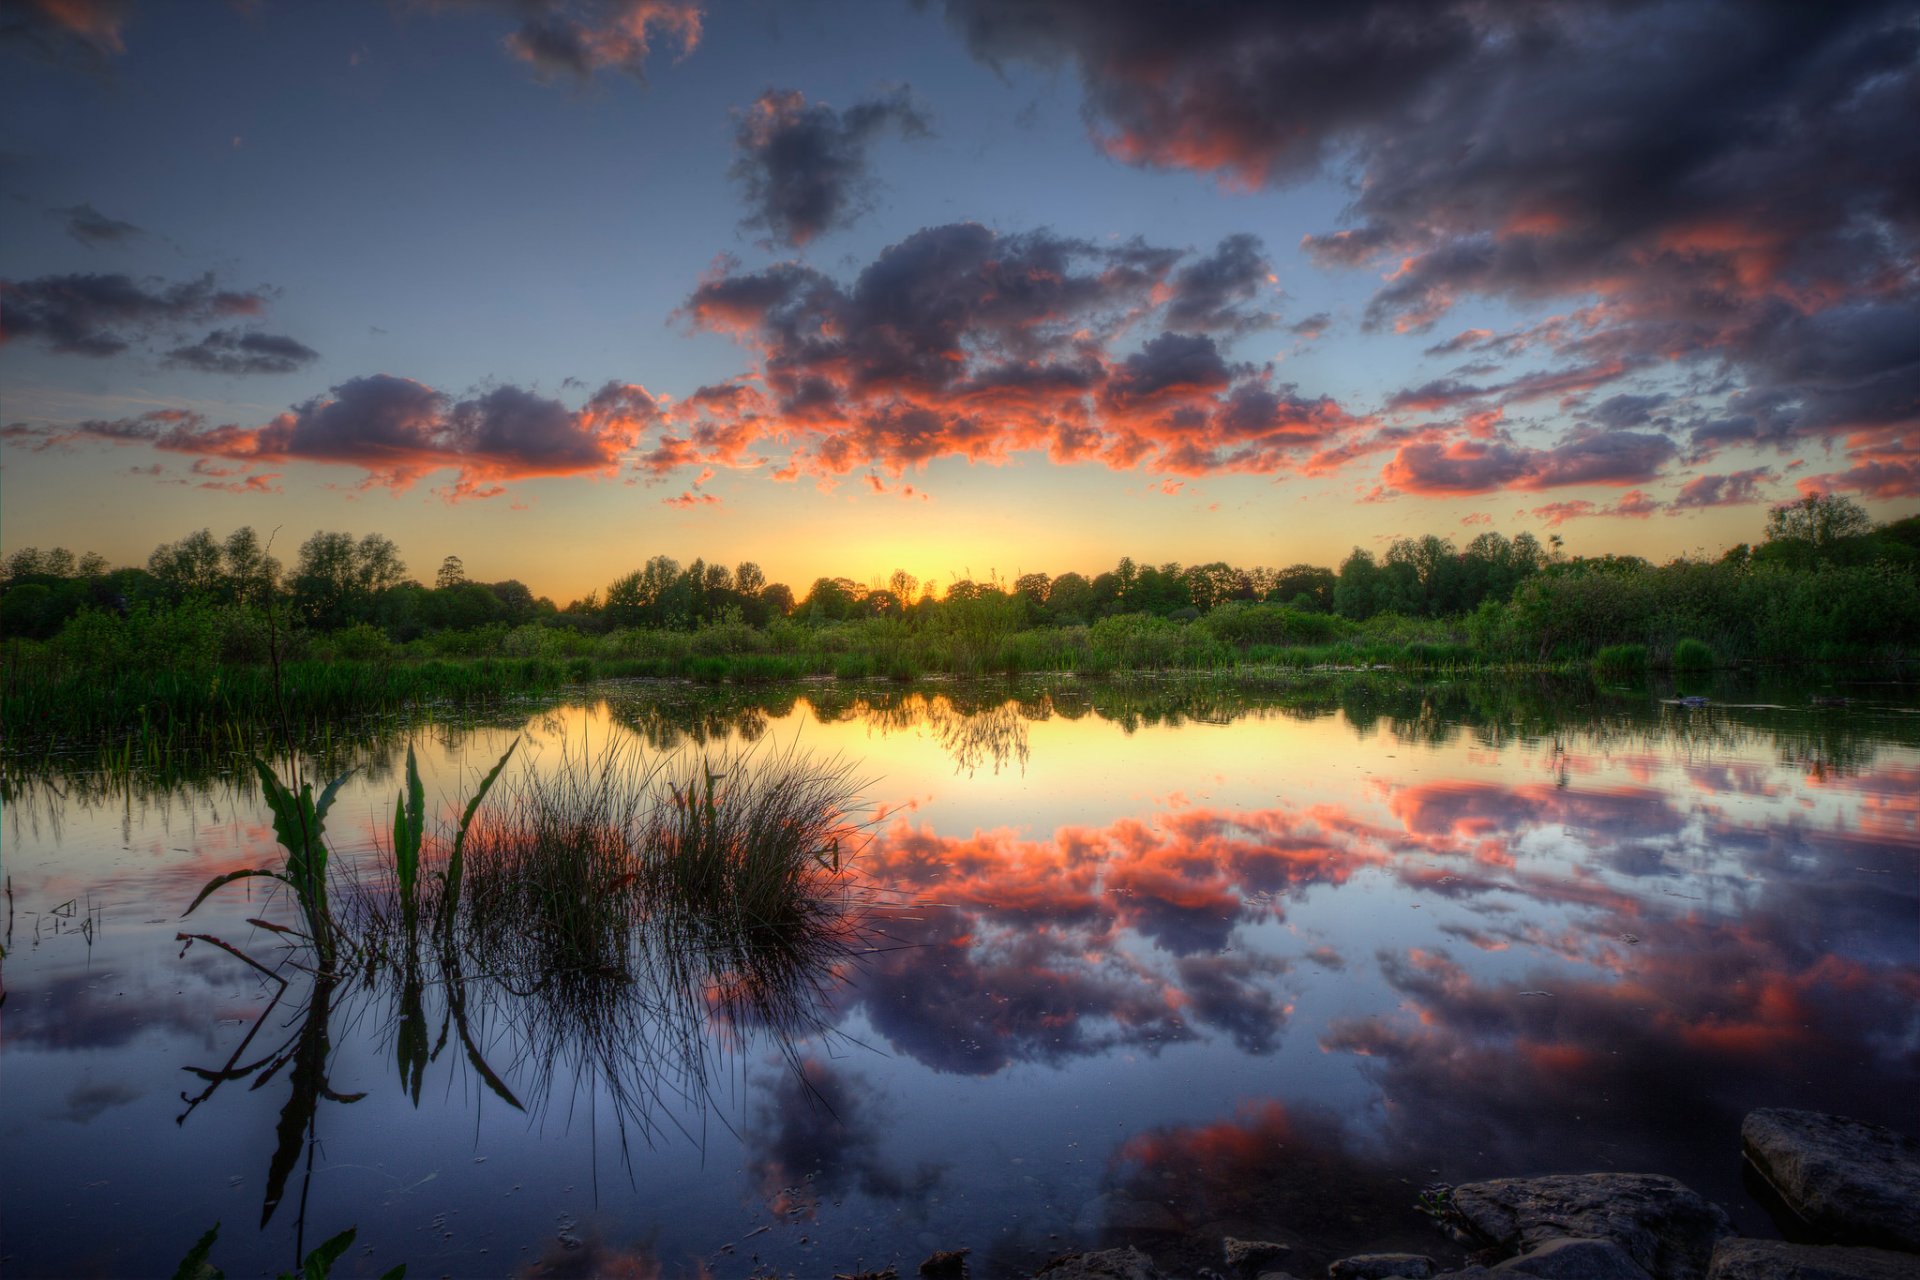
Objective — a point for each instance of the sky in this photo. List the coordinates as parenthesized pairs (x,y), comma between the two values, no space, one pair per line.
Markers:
(960,287)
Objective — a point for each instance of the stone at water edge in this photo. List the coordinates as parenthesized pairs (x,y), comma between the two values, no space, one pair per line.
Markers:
(948,1264)
(1106,1264)
(1859,1183)
(1574,1258)
(1778,1260)
(1667,1229)
(1380,1266)
(1252,1257)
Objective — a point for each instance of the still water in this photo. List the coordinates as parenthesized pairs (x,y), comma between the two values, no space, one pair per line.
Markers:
(1150,966)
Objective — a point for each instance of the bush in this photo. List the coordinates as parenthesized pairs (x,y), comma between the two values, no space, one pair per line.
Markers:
(1621,660)
(1241,624)
(1692,655)
(362,642)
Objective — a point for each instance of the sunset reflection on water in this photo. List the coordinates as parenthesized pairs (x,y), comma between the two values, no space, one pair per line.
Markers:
(1156,967)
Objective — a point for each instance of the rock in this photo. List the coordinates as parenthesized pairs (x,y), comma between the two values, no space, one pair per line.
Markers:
(1378,1266)
(1666,1229)
(1106,1264)
(948,1264)
(1778,1260)
(1252,1257)
(1858,1183)
(1575,1258)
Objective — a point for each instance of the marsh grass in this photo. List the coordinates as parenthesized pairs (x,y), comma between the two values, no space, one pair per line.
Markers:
(630,915)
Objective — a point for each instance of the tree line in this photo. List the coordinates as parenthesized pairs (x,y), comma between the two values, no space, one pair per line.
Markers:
(339,581)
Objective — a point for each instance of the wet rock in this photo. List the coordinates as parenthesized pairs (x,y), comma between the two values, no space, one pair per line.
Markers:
(1379,1266)
(1574,1258)
(1665,1228)
(1858,1183)
(1105,1264)
(1252,1257)
(948,1264)
(1778,1260)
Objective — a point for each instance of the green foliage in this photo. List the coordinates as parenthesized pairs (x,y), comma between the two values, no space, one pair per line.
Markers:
(1692,655)
(299,824)
(1623,660)
(362,642)
(317,1265)
(456,858)
(409,828)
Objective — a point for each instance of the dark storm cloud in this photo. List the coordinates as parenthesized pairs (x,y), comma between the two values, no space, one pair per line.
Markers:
(804,165)
(244,351)
(1716,183)
(92,228)
(102,315)
(960,341)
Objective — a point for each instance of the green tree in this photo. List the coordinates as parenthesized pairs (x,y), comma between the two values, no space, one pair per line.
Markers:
(192,566)
(1819,519)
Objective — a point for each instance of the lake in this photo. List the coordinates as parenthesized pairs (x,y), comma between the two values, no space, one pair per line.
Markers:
(1148,964)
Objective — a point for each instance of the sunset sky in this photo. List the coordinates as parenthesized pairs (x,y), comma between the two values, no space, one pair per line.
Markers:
(959,287)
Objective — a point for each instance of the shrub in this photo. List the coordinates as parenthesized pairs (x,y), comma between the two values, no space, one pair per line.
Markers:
(1621,660)
(362,642)
(1692,655)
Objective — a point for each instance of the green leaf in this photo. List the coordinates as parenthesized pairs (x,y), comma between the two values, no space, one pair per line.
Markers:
(229,878)
(409,831)
(195,1265)
(398,1273)
(456,859)
(319,1263)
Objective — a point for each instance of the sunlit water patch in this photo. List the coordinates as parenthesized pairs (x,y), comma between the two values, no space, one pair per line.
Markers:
(1149,966)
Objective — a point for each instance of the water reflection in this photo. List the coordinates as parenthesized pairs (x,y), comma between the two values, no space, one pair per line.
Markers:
(1159,959)
(597,942)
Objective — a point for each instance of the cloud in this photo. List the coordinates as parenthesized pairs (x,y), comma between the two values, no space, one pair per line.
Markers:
(239,351)
(92,228)
(1465,466)
(804,166)
(1213,294)
(1719,189)
(963,342)
(86,31)
(1034,958)
(1741,488)
(102,315)
(819,1137)
(397,431)
(577,39)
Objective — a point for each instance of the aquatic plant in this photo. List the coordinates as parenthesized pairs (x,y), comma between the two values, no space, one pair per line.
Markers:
(1621,660)
(409,842)
(299,824)
(317,1265)
(1692,655)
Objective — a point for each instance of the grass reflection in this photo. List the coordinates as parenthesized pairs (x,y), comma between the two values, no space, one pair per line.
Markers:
(625,926)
